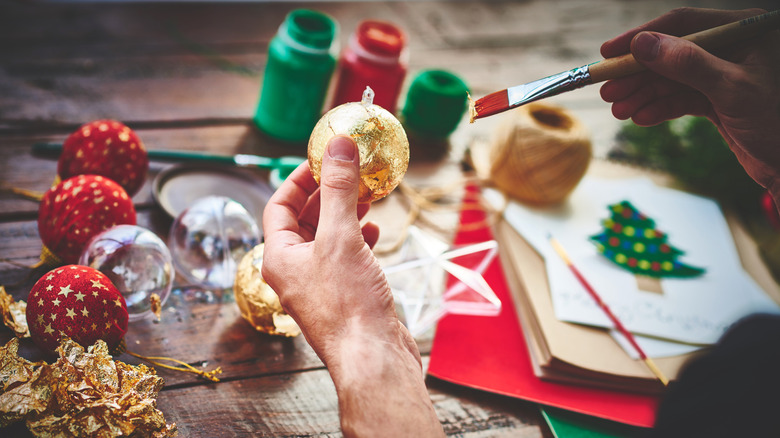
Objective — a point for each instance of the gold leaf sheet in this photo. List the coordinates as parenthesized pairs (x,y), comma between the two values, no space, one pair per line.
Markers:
(14,314)
(84,393)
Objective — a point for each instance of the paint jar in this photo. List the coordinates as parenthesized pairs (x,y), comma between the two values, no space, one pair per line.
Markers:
(435,104)
(376,57)
(300,64)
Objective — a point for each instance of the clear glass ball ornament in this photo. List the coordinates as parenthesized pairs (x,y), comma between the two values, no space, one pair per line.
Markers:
(138,263)
(209,238)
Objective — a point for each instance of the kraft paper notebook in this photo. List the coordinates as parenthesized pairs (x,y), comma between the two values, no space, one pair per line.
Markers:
(490,353)
(563,351)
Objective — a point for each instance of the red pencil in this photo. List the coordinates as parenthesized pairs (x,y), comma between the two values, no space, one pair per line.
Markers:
(618,325)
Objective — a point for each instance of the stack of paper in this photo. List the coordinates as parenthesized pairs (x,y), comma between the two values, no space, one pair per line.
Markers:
(688,314)
(565,352)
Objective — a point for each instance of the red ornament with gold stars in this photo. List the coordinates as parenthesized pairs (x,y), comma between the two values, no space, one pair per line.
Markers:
(107,148)
(79,302)
(77,209)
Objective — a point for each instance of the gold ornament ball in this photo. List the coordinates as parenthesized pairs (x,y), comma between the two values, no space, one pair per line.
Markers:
(258,303)
(380,139)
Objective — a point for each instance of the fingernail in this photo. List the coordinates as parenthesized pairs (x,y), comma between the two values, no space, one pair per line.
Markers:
(646,46)
(341,148)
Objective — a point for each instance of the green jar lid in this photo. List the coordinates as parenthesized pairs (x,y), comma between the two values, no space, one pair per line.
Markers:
(435,103)
(308,30)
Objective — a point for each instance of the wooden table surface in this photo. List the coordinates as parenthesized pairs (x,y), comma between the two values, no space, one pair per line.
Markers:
(187,76)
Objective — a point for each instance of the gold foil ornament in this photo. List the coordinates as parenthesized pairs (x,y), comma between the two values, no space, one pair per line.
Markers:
(258,303)
(380,139)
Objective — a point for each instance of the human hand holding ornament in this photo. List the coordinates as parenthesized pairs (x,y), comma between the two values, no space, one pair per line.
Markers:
(738,90)
(318,259)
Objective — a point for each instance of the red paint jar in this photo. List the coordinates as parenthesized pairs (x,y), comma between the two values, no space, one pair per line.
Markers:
(375,57)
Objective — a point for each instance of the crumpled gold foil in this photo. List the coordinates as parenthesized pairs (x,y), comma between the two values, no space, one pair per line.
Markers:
(18,397)
(84,393)
(381,142)
(258,303)
(14,314)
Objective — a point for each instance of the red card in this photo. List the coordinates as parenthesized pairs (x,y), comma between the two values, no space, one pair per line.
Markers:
(490,353)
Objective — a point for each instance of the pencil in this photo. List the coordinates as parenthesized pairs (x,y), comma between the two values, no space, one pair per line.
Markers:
(613,68)
(605,308)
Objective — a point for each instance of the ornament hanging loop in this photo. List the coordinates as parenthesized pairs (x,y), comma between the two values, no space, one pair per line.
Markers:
(368,97)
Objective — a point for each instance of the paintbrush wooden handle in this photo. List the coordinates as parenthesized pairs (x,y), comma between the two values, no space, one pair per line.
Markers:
(613,68)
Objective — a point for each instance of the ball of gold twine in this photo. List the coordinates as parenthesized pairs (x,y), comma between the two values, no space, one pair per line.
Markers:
(539,154)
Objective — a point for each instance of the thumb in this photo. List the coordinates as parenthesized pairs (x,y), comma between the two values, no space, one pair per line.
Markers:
(681,61)
(339,182)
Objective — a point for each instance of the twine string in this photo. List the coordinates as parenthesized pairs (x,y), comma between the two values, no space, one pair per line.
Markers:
(434,199)
(184,366)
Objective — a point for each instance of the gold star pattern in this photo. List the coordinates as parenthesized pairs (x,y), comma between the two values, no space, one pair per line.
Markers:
(65,291)
(73,306)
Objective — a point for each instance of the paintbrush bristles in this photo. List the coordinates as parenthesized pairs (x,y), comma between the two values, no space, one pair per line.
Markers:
(491,104)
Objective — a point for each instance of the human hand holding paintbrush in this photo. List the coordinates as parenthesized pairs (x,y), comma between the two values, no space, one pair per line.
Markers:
(728,72)
(738,90)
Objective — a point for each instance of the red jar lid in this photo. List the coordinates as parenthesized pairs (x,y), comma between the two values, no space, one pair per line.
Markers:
(380,38)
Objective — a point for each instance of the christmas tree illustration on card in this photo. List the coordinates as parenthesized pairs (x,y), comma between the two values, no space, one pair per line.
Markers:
(630,240)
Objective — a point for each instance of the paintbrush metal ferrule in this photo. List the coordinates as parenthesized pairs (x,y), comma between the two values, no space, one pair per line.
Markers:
(513,97)
(549,86)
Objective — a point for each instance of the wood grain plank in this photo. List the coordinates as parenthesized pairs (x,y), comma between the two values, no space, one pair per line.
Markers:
(131,69)
(305,405)
(198,326)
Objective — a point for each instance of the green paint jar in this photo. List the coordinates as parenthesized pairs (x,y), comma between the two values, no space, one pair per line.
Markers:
(300,64)
(435,104)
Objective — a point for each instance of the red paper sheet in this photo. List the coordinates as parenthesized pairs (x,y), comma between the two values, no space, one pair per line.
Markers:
(490,354)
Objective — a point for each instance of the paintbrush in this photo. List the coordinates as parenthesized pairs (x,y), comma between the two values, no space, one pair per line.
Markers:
(613,68)
(605,308)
